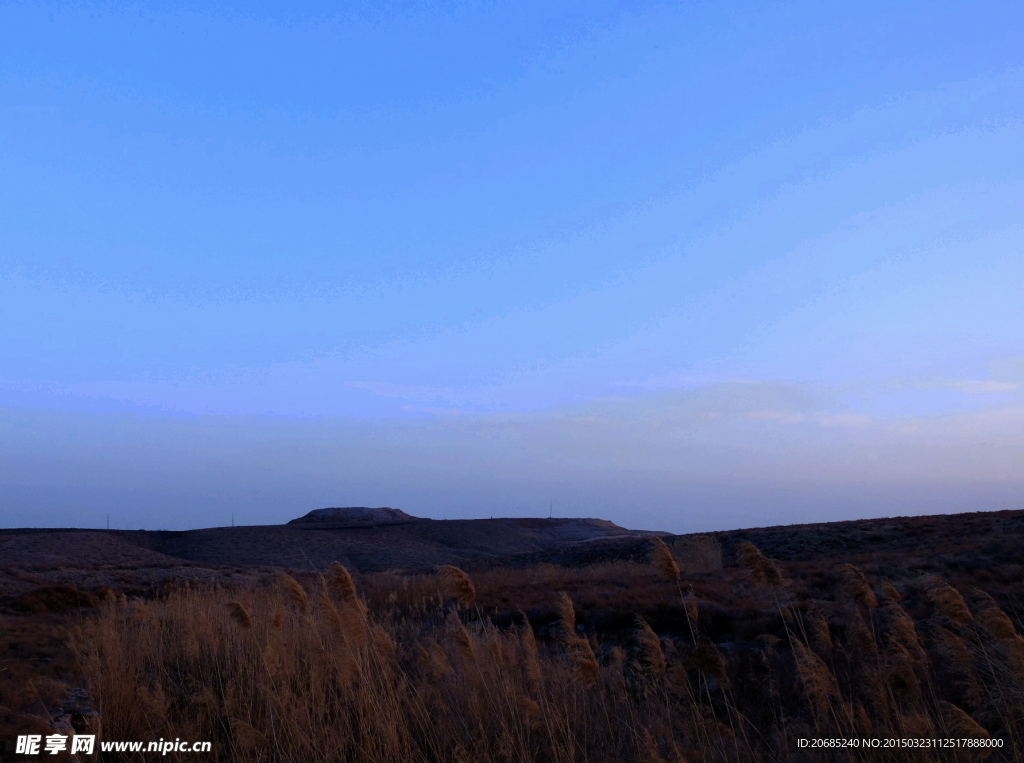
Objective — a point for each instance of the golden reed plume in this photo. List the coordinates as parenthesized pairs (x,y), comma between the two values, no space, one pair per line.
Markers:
(339,583)
(763,569)
(662,558)
(294,592)
(240,615)
(457,584)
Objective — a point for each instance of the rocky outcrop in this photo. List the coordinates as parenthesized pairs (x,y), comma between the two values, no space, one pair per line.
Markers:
(353,516)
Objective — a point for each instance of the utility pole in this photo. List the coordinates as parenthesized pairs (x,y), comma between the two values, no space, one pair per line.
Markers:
(232,519)
(108,521)
(551,510)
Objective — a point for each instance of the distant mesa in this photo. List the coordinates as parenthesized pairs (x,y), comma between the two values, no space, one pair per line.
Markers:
(354,516)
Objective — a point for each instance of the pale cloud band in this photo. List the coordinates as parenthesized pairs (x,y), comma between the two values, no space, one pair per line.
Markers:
(713,457)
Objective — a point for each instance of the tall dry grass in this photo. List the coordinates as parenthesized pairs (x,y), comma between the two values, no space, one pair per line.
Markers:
(408,668)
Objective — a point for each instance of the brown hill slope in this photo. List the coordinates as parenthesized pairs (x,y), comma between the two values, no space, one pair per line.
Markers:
(977,546)
(37,557)
(414,545)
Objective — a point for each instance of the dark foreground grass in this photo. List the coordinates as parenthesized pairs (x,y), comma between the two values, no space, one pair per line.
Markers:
(679,660)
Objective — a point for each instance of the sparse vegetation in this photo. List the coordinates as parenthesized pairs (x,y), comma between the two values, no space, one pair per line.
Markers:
(673,660)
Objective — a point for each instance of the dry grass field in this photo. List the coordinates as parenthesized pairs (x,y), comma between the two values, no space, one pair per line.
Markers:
(701,649)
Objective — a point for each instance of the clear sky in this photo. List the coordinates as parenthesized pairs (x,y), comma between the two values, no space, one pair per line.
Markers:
(686,266)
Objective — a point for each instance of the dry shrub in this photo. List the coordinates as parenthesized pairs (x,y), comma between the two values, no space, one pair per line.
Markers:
(53,598)
(49,691)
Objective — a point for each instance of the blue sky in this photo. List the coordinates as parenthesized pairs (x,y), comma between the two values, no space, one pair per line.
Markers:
(681,265)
